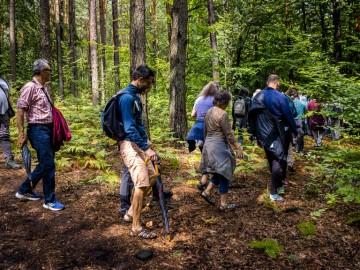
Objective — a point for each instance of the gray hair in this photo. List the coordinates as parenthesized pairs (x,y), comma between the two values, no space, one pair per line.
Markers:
(39,65)
(273,78)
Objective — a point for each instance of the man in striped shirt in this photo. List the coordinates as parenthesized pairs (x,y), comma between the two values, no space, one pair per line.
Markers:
(34,104)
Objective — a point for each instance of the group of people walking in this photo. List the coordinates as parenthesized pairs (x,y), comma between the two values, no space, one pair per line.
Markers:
(268,116)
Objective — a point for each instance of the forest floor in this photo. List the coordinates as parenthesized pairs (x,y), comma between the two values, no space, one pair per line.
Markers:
(90,233)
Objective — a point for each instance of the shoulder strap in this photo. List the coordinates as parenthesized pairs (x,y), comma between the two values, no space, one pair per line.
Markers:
(52,105)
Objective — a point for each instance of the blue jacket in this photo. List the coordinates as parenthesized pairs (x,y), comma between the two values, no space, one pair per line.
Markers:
(278,105)
(131,116)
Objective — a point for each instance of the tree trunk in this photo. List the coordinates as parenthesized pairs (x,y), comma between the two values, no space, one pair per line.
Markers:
(178,121)
(115,17)
(168,25)
(138,49)
(93,52)
(12,41)
(58,49)
(213,41)
(337,31)
(303,9)
(45,42)
(102,7)
(73,55)
(323,27)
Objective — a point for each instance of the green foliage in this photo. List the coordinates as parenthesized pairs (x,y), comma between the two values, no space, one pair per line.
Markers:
(107,177)
(316,214)
(270,247)
(354,218)
(307,228)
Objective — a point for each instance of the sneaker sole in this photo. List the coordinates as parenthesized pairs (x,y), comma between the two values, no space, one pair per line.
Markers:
(14,168)
(23,197)
(51,208)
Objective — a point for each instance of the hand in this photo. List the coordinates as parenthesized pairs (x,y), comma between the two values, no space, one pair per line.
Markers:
(239,153)
(151,154)
(22,139)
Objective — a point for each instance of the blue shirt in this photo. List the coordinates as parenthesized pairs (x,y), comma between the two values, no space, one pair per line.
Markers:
(131,116)
(278,105)
(202,105)
(300,109)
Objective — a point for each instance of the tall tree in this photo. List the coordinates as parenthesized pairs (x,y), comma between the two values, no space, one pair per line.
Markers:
(12,31)
(115,22)
(137,47)
(178,121)
(58,49)
(93,52)
(102,8)
(73,54)
(45,30)
(213,41)
(337,31)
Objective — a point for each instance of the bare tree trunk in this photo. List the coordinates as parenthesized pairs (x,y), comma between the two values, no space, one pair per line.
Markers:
(115,17)
(73,55)
(93,52)
(12,41)
(138,49)
(45,42)
(102,7)
(168,12)
(58,49)
(337,31)
(303,9)
(213,41)
(323,27)
(178,121)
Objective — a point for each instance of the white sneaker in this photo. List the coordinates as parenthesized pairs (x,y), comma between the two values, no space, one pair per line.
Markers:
(276,197)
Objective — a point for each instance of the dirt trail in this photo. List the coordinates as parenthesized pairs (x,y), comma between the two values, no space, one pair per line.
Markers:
(90,234)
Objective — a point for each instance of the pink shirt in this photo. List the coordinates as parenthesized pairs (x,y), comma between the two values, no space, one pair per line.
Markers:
(35,104)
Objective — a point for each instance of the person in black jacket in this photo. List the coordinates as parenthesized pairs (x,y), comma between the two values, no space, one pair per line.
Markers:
(271,122)
(240,110)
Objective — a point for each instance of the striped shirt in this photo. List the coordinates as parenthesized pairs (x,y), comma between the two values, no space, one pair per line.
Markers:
(35,104)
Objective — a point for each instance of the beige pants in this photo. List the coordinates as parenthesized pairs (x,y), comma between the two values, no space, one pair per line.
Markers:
(134,158)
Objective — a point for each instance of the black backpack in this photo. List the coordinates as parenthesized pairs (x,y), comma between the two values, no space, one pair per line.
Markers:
(110,118)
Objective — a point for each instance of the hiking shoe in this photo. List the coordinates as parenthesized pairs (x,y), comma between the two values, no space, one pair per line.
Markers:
(276,197)
(54,206)
(167,195)
(281,190)
(31,196)
(11,164)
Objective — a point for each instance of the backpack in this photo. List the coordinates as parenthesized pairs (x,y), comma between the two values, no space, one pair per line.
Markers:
(240,107)
(110,118)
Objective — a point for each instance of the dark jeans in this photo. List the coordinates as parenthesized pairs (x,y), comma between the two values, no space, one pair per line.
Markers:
(221,181)
(278,171)
(40,139)
(126,187)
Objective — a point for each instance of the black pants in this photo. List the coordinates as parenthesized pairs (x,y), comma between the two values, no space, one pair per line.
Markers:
(278,171)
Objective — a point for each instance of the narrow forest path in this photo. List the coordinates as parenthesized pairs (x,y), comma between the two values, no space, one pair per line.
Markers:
(90,234)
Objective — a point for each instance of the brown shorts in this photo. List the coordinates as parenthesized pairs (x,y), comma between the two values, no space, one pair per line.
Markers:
(134,158)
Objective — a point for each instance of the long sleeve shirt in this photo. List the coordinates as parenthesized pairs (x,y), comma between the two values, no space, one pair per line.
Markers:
(278,105)
(131,116)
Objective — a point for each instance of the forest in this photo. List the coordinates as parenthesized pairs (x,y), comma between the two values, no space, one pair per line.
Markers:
(93,45)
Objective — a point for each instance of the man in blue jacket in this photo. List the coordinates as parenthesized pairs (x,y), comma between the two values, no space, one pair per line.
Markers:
(134,148)
(272,122)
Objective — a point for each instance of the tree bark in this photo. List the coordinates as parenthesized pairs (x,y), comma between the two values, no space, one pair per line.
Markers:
(45,42)
(93,52)
(115,17)
(73,54)
(102,7)
(138,49)
(12,31)
(58,49)
(337,31)
(178,121)
(303,10)
(323,27)
(213,41)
